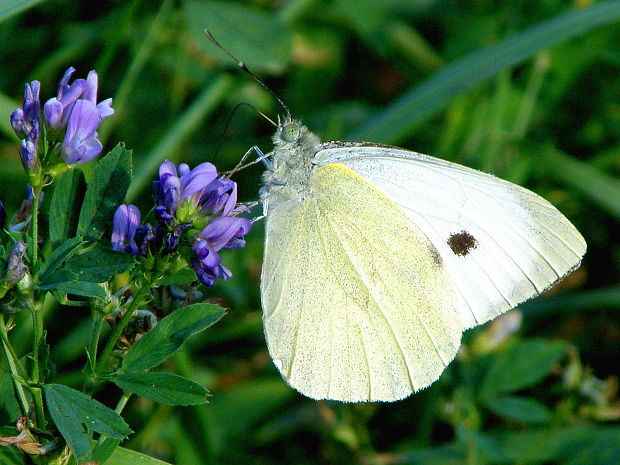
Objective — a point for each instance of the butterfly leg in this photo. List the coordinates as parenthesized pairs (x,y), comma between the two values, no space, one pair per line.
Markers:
(261,158)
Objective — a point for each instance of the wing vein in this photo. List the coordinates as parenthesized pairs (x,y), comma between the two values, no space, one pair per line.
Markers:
(380,312)
(331,313)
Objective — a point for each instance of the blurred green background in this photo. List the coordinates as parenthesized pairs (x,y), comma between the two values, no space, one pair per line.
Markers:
(527,90)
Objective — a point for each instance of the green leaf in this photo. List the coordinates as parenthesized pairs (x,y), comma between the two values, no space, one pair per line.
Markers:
(165,388)
(9,406)
(172,331)
(56,279)
(122,456)
(106,190)
(61,253)
(520,409)
(398,120)
(85,289)
(65,206)
(184,276)
(521,365)
(104,449)
(99,264)
(70,409)
(259,35)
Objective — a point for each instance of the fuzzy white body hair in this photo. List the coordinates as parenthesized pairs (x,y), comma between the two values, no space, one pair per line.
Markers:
(292,162)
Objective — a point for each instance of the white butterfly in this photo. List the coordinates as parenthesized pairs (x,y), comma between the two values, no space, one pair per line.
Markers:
(377,259)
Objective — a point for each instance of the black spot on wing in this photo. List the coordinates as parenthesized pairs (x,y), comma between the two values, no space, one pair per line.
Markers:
(462,243)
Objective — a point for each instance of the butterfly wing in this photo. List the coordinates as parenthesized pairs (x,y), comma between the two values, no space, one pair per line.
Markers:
(358,304)
(502,244)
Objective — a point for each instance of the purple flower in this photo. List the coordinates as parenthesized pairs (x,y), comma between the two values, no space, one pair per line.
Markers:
(145,236)
(81,144)
(180,188)
(193,182)
(22,118)
(28,152)
(219,197)
(25,123)
(57,110)
(15,267)
(124,227)
(18,122)
(75,107)
(224,232)
(90,93)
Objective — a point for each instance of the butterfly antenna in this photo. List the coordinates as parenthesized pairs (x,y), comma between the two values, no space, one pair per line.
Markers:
(229,120)
(243,66)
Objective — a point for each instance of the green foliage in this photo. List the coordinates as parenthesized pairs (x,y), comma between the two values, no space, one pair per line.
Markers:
(521,366)
(167,337)
(107,189)
(519,409)
(98,264)
(262,37)
(70,409)
(394,123)
(165,388)
(65,206)
(123,456)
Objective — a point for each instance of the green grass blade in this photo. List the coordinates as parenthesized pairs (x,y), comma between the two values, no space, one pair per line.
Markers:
(138,62)
(10,8)
(599,300)
(397,121)
(599,187)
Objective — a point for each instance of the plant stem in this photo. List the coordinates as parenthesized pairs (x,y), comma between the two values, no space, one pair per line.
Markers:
(37,395)
(107,350)
(94,342)
(36,195)
(119,408)
(15,366)
(122,402)
(37,310)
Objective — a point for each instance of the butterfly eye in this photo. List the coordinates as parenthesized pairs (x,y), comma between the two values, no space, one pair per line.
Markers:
(290,132)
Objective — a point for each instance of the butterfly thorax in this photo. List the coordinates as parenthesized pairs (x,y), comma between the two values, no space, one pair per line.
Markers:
(292,160)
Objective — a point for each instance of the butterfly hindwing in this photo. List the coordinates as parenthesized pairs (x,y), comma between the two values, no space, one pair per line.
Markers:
(358,304)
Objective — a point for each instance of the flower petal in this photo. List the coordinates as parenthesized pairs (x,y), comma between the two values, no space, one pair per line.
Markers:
(80,144)
(90,90)
(105,108)
(221,230)
(197,179)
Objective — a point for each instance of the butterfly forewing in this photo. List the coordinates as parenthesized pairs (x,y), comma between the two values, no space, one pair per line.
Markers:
(501,243)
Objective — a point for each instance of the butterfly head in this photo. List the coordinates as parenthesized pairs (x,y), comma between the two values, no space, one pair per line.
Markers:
(291,134)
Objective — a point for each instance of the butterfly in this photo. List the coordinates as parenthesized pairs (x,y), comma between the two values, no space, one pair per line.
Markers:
(377,259)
